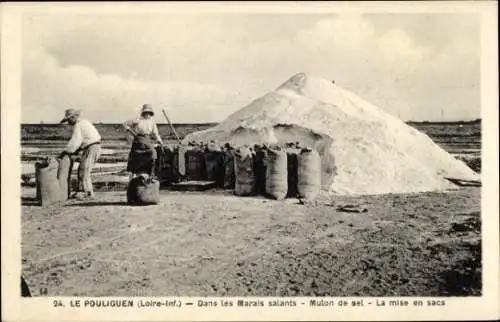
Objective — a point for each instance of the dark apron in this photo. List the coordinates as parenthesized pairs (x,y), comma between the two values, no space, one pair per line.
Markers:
(142,156)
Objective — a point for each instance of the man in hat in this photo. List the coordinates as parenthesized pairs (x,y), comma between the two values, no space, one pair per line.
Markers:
(87,140)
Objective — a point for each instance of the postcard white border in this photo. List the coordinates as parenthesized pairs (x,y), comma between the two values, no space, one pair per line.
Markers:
(41,309)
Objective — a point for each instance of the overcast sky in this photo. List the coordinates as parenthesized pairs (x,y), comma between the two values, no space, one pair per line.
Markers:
(202,67)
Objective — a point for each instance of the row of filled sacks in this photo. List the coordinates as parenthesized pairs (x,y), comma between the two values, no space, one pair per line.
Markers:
(191,163)
(278,173)
(275,172)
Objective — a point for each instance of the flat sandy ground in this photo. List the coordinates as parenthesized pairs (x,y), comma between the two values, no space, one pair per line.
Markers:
(217,244)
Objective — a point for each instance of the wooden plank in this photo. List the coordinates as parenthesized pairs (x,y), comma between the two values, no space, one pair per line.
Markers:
(193,185)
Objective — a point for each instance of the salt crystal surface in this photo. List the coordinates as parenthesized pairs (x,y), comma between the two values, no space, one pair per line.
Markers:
(373,151)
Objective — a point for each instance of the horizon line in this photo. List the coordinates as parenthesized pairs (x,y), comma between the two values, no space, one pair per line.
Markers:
(206,123)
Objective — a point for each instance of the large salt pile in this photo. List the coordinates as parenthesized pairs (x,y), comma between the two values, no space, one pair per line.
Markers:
(364,149)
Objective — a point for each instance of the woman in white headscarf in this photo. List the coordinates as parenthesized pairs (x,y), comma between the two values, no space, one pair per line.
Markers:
(142,156)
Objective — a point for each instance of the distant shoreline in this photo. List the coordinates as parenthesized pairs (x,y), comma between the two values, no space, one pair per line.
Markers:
(476,121)
(115,124)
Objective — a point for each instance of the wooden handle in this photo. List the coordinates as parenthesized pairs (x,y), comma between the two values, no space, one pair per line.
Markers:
(171,126)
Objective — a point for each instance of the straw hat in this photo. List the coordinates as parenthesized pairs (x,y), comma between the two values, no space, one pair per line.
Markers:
(147,108)
(70,112)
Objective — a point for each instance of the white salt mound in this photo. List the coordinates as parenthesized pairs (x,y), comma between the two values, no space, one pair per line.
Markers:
(366,150)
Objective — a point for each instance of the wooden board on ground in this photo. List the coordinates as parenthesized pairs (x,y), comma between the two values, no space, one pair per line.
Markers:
(102,186)
(193,185)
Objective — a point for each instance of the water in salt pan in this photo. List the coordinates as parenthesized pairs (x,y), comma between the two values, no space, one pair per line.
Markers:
(29,167)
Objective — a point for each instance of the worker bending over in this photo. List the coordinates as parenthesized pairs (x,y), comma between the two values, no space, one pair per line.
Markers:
(87,141)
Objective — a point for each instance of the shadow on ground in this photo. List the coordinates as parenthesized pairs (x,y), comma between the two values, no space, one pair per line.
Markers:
(98,204)
(31,201)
